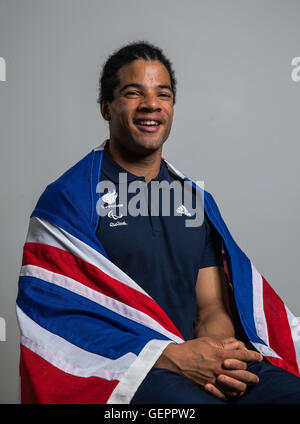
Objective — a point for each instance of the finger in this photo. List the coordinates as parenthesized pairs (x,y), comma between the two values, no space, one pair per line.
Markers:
(231,383)
(211,389)
(229,339)
(233,340)
(242,375)
(222,392)
(234,364)
(227,391)
(244,355)
(234,344)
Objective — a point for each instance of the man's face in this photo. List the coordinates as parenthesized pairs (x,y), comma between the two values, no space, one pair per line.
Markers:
(140,116)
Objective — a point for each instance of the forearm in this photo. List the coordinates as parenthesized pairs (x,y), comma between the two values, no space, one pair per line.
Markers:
(166,358)
(217,325)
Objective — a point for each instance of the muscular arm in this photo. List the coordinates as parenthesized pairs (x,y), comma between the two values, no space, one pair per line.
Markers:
(213,317)
(209,360)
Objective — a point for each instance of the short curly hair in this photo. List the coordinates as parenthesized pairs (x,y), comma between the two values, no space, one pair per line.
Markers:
(138,50)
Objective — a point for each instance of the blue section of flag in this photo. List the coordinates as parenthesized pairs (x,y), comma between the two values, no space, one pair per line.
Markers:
(70,201)
(240,269)
(81,321)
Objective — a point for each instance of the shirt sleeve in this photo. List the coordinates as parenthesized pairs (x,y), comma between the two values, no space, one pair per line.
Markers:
(211,255)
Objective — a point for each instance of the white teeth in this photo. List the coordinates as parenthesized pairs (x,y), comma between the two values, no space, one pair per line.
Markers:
(148,123)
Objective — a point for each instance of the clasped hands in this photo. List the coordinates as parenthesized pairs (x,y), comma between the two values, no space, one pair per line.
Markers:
(231,379)
(219,366)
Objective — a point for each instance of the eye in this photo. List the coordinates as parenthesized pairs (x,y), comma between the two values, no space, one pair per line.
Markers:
(165,94)
(132,93)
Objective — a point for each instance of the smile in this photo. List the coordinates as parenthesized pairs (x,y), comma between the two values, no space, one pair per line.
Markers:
(147,125)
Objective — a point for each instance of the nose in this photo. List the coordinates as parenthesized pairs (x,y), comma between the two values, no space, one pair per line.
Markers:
(149,102)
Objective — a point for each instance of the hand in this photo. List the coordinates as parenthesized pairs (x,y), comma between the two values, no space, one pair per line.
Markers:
(227,387)
(217,366)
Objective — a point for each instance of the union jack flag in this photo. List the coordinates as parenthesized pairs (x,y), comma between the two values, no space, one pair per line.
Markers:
(89,333)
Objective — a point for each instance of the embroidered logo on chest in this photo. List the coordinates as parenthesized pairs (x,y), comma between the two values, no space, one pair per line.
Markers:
(110,199)
(182,210)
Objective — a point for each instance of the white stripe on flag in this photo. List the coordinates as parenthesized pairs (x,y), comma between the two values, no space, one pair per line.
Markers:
(99,298)
(125,390)
(68,357)
(41,231)
(258,305)
(265,350)
(294,323)
(259,315)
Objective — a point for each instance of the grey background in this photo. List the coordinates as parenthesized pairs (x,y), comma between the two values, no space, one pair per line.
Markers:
(236,119)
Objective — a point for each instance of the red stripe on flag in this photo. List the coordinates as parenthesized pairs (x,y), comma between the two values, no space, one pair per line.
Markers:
(43,383)
(280,337)
(64,263)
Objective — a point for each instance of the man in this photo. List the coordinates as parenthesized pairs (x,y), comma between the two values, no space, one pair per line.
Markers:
(168,333)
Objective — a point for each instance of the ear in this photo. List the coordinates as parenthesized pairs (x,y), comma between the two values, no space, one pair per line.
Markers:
(105,110)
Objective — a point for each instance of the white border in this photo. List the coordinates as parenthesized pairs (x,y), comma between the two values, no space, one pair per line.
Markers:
(68,357)
(125,390)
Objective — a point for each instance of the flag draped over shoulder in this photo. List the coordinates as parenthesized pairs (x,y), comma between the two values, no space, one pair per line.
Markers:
(89,333)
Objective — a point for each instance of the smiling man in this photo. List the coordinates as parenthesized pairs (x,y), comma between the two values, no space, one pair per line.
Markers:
(130,123)
(123,307)
(140,115)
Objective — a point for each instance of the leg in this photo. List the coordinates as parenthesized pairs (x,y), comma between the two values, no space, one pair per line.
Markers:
(275,386)
(162,386)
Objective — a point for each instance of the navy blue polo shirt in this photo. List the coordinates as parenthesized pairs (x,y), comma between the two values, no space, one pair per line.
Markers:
(154,247)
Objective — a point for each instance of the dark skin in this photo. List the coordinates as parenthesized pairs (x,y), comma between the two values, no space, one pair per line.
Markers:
(214,359)
(144,92)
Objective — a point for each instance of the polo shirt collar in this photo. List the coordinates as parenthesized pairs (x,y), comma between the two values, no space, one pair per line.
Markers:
(111,170)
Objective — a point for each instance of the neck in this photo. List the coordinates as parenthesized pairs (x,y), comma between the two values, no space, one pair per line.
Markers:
(141,166)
